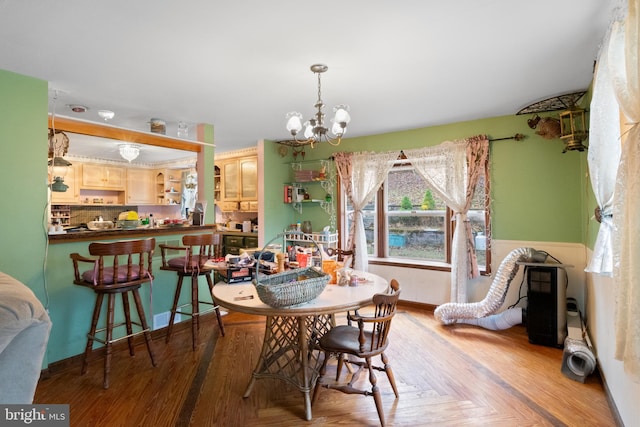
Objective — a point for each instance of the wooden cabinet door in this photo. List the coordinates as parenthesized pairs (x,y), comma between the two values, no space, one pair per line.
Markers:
(230,181)
(92,176)
(115,177)
(140,186)
(103,177)
(248,178)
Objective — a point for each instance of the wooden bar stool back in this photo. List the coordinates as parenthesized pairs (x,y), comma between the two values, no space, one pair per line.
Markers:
(116,268)
(196,250)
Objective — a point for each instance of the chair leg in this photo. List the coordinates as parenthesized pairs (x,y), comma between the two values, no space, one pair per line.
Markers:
(111,302)
(195,310)
(174,308)
(143,322)
(340,364)
(92,332)
(321,373)
(217,308)
(387,369)
(127,316)
(375,391)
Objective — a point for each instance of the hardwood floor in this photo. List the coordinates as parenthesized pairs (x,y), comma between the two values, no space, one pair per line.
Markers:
(446,376)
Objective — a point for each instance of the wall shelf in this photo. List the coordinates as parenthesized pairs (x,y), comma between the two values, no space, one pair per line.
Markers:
(313,173)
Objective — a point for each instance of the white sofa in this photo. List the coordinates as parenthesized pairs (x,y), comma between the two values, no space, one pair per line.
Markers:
(24,333)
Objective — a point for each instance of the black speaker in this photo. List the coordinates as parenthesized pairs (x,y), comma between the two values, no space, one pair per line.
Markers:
(546,305)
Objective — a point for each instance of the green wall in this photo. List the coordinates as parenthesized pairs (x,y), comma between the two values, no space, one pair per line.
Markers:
(537,191)
(23,173)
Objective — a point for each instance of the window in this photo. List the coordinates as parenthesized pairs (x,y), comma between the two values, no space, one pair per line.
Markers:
(406,224)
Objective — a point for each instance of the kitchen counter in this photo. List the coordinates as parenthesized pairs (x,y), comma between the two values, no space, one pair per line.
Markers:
(89,235)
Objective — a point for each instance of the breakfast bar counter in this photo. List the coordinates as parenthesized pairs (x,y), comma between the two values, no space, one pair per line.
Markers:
(70,306)
(118,233)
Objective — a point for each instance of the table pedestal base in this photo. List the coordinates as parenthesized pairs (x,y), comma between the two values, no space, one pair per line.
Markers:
(287,352)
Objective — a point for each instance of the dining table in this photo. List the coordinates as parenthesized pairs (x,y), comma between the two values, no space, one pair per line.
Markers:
(291,333)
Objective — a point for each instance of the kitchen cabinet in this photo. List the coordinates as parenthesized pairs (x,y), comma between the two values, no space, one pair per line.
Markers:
(173,186)
(239,180)
(141,186)
(228,206)
(248,179)
(72,195)
(216,184)
(159,187)
(233,243)
(248,206)
(102,177)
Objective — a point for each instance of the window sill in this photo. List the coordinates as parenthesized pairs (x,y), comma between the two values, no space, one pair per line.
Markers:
(411,263)
(421,265)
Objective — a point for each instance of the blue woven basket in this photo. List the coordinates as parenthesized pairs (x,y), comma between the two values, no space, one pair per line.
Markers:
(290,287)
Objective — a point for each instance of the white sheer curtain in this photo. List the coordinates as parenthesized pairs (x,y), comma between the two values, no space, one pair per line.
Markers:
(444,169)
(603,157)
(362,174)
(624,49)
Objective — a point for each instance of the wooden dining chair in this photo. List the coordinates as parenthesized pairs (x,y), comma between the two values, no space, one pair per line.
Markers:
(342,254)
(367,339)
(116,268)
(191,261)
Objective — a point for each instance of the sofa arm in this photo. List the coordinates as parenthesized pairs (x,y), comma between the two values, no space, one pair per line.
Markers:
(24,334)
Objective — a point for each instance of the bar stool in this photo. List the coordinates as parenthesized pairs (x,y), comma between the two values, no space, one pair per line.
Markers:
(198,249)
(108,276)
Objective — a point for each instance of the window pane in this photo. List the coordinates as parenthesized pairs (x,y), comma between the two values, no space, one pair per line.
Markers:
(415,218)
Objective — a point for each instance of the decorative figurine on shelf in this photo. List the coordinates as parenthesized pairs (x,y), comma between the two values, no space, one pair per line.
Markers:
(323,173)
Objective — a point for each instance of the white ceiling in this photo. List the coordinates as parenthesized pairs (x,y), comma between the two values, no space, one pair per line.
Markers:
(242,65)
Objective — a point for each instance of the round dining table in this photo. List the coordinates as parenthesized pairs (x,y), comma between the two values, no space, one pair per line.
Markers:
(288,348)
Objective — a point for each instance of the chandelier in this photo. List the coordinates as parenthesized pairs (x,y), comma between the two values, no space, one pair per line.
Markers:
(314,129)
(129,151)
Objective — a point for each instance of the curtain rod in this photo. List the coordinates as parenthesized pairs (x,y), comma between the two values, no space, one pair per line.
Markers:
(517,137)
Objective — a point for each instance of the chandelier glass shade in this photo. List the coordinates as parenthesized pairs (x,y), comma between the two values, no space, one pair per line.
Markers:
(129,151)
(314,129)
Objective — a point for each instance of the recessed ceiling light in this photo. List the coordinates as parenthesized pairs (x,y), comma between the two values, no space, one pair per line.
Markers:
(106,114)
(77,108)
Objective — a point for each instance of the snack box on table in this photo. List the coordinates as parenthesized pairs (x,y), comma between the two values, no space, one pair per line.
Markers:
(236,274)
